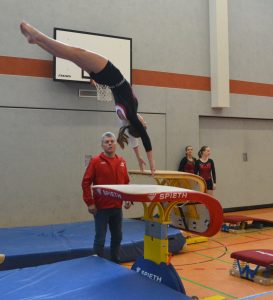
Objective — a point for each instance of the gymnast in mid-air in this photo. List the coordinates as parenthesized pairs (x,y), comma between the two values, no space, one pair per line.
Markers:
(103,72)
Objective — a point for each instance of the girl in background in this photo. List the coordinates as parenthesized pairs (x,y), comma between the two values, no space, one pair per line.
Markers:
(187,163)
(205,168)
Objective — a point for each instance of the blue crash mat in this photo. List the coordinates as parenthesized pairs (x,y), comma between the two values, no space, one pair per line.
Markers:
(32,246)
(83,278)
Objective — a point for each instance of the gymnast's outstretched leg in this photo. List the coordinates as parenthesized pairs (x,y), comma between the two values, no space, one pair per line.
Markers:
(96,65)
(86,60)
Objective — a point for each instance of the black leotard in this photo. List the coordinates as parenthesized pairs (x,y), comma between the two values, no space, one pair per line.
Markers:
(187,165)
(123,95)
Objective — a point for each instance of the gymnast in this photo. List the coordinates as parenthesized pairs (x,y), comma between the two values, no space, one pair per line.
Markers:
(103,72)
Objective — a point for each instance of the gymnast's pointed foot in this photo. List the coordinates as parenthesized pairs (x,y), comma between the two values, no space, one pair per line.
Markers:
(29,32)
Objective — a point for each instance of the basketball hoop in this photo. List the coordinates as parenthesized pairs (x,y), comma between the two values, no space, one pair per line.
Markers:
(104,93)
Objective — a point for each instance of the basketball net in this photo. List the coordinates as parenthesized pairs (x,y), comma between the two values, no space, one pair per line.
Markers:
(104,93)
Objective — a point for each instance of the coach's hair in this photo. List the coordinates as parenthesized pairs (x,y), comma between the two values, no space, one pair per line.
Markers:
(108,134)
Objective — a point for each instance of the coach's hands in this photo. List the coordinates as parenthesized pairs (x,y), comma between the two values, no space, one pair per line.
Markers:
(92,209)
(128,204)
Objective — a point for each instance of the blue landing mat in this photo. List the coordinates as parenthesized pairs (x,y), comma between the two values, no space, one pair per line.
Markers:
(81,279)
(32,246)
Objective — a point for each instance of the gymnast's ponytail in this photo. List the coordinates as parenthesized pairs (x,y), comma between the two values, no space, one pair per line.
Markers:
(123,137)
(200,152)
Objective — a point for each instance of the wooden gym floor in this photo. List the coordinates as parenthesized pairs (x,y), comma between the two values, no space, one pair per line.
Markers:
(204,267)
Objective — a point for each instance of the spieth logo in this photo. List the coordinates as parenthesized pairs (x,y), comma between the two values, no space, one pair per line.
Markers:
(111,194)
(151,196)
(177,195)
(149,275)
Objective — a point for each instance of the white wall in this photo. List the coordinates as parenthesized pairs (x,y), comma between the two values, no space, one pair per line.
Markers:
(44,125)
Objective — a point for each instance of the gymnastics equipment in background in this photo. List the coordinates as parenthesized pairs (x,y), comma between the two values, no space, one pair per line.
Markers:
(242,224)
(175,178)
(255,265)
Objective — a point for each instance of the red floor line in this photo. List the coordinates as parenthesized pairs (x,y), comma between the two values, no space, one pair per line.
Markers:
(202,269)
(210,248)
(240,235)
(207,259)
(251,237)
(257,240)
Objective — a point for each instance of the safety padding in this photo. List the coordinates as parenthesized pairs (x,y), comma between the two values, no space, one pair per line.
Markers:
(36,245)
(82,279)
